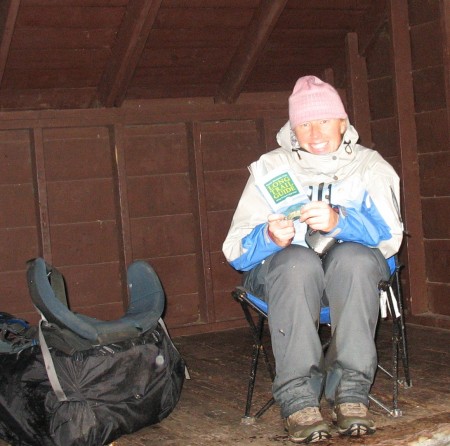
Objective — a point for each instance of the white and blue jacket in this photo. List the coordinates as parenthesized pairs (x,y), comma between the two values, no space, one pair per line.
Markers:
(355,179)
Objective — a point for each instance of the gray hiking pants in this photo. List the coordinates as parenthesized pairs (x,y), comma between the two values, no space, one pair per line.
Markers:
(295,283)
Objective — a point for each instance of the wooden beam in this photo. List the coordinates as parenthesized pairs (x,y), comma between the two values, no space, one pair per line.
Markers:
(371,25)
(10,8)
(357,90)
(410,176)
(132,36)
(246,55)
(328,76)
(445,20)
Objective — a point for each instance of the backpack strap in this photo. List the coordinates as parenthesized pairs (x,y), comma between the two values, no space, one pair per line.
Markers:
(50,366)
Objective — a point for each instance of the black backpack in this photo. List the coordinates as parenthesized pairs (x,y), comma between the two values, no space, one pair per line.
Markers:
(74,391)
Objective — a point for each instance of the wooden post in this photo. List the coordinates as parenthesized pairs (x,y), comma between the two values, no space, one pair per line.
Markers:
(404,105)
(445,20)
(357,91)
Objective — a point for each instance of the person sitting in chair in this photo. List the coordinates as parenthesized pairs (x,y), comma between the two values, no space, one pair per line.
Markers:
(354,200)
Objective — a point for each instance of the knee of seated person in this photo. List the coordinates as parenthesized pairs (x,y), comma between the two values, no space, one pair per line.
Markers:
(297,258)
(356,257)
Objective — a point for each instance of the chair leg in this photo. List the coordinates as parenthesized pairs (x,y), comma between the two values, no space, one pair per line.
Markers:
(398,344)
(257,333)
(402,334)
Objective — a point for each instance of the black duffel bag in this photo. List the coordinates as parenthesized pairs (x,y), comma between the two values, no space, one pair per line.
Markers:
(110,390)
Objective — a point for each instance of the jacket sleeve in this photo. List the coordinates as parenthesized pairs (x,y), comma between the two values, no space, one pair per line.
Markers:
(376,221)
(248,243)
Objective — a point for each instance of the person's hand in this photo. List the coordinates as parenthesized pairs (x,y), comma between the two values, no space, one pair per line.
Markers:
(280,230)
(320,216)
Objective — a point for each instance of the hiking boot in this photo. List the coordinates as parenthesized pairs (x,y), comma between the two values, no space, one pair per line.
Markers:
(307,426)
(353,419)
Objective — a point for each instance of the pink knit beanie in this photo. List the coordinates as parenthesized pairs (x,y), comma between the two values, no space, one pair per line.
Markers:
(314,99)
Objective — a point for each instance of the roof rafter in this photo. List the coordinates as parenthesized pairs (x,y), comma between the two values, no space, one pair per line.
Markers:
(11,8)
(131,39)
(247,53)
(369,28)
(371,25)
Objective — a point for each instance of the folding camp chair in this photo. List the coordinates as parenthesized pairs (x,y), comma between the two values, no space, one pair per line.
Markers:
(389,299)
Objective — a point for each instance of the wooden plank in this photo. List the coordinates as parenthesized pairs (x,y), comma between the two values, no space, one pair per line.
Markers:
(319,19)
(427,45)
(49,79)
(429,89)
(371,24)
(445,26)
(186,57)
(404,104)
(43,16)
(10,9)
(221,37)
(85,243)
(56,98)
(258,31)
(171,76)
(211,3)
(58,38)
(297,55)
(438,259)
(357,91)
(132,35)
(163,235)
(296,6)
(56,58)
(432,131)
(439,301)
(434,175)
(78,201)
(381,98)
(306,38)
(368,27)
(422,12)
(436,228)
(84,3)
(378,58)
(210,18)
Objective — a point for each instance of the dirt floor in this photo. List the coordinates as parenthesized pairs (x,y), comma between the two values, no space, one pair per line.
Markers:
(212,401)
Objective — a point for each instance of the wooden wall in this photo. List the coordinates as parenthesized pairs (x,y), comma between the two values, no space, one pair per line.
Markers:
(92,190)
(431,71)
(408,96)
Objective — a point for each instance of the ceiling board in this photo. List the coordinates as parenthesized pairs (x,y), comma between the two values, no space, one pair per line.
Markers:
(104,52)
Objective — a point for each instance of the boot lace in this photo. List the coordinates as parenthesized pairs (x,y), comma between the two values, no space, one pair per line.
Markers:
(353,409)
(308,415)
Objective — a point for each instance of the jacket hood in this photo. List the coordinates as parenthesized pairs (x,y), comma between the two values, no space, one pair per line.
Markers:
(328,163)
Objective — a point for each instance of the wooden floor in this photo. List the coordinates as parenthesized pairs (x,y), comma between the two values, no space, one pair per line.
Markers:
(212,402)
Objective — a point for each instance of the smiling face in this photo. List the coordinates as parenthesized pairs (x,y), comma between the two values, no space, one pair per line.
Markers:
(320,136)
